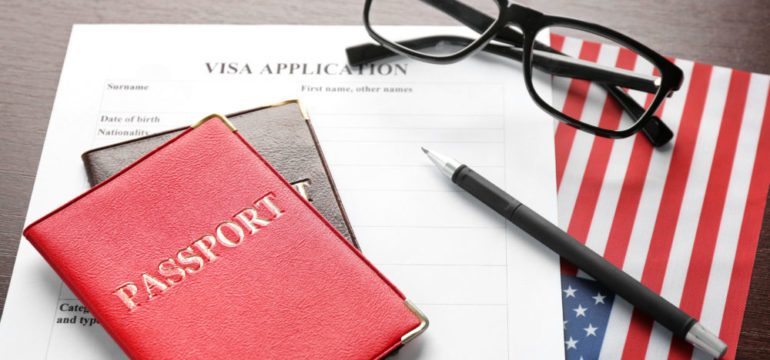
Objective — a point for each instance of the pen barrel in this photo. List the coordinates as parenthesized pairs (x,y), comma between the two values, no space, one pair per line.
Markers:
(482,189)
(640,296)
(573,251)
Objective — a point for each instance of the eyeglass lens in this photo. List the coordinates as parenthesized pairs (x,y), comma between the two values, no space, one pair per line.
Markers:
(585,80)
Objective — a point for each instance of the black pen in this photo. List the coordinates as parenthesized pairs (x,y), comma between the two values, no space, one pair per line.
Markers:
(644,299)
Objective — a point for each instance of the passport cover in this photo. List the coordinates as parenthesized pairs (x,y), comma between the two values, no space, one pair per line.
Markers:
(200,249)
(282,133)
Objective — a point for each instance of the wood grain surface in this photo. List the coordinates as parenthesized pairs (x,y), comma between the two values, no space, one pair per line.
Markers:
(34,35)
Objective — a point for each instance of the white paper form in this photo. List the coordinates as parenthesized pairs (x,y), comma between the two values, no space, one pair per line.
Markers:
(489,291)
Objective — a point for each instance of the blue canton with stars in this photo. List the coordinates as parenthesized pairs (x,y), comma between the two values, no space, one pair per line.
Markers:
(586,308)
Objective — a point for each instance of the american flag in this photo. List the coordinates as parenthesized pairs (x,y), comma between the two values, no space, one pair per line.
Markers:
(684,219)
(586,308)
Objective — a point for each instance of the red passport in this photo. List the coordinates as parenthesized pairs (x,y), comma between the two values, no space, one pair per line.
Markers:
(200,249)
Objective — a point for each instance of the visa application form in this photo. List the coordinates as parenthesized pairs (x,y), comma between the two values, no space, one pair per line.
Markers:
(490,291)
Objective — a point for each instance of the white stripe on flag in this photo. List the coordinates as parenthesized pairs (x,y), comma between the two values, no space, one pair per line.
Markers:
(617,325)
(610,191)
(735,204)
(620,316)
(692,203)
(581,147)
(617,165)
(653,184)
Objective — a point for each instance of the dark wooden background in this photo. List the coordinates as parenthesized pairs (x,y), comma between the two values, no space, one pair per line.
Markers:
(34,35)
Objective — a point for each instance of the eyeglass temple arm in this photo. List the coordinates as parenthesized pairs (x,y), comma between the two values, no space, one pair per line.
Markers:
(567,66)
(656,131)
(555,64)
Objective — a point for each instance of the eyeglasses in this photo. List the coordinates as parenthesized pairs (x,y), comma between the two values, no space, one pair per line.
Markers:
(637,84)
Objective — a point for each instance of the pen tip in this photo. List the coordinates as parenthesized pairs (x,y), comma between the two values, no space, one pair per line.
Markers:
(446,164)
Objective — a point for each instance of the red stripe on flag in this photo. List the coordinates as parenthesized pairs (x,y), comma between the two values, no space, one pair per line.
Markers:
(740,278)
(596,167)
(670,206)
(628,202)
(573,106)
(630,194)
(713,205)
(557,41)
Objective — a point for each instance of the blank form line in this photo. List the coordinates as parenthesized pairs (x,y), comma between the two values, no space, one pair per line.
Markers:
(398,190)
(185,113)
(463,304)
(450,265)
(430,166)
(431,227)
(410,141)
(407,128)
(457,83)
(407,114)
(505,236)
(404,165)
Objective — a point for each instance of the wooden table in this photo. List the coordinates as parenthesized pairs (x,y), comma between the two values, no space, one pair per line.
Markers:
(34,35)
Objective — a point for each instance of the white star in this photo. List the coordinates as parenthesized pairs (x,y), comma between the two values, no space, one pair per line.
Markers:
(590,330)
(569,291)
(571,343)
(599,298)
(565,324)
(580,311)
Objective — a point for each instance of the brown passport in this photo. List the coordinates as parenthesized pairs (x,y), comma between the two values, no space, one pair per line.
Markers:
(281,132)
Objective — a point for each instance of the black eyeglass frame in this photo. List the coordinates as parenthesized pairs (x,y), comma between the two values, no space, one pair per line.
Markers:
(531,22)
(565,67)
